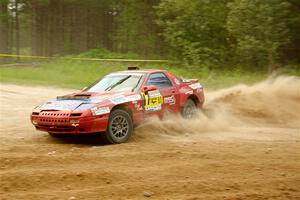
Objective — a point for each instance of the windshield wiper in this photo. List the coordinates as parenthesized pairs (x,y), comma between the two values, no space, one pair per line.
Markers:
(137,84)
(117,83)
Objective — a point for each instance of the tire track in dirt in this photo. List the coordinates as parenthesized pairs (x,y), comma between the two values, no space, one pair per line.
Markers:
(246,146)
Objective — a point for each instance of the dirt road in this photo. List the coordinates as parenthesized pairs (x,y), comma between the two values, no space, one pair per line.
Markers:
(247,148)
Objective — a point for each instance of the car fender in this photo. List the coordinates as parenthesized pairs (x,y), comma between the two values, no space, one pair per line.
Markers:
(133,102)
(187,92)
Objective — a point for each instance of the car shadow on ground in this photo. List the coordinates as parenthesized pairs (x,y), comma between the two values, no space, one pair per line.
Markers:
(95,139)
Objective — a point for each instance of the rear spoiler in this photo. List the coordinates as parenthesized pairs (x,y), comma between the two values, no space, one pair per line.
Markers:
(189,80)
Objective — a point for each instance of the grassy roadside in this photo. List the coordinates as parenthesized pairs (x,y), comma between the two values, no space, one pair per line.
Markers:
(78,74)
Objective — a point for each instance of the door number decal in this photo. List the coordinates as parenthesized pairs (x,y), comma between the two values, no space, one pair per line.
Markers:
(152,101)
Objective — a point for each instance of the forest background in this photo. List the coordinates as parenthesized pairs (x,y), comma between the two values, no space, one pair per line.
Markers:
(219,41)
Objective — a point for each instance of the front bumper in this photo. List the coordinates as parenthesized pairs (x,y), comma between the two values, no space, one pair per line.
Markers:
(62,123)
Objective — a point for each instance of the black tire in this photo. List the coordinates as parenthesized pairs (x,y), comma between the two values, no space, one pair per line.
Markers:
(119,127)
(189,110)
(58,135)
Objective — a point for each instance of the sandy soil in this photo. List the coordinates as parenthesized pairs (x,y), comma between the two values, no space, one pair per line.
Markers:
(247,148)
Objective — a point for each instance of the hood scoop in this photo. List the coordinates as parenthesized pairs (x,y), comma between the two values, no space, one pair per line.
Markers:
(80,96)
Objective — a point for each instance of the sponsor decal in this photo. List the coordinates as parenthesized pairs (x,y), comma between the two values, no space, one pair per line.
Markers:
(153,108)
(195,86)
(98,99)
(199,90)
(137,106)
(85,106)
(154,94)
(133,97)
(118,99)
(100,111)
(61,105)
(170,100)
(123,99)
(189,92)
(153,101)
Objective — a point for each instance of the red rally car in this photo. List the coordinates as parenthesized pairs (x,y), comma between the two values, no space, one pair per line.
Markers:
(117,102)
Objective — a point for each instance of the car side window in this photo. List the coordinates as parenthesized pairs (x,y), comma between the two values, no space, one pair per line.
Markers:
(160,80)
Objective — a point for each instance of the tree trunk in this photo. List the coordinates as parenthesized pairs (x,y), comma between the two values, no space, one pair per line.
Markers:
(4,27)
(17,28)
(272,64)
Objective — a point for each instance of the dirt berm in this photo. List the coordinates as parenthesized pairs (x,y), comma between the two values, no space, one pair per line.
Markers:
(245,146)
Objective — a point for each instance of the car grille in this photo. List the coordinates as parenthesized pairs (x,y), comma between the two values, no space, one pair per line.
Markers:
(54,114)
(54,120)
(46,117)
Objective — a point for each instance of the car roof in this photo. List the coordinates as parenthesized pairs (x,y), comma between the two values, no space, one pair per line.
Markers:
(142,71)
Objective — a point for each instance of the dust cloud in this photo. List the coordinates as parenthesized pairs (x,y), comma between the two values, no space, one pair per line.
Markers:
(274,102)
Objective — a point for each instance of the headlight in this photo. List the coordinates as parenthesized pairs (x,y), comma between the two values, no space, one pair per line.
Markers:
(34,121)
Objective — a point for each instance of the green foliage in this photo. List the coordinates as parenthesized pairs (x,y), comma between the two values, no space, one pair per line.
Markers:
(58,72)
(135,29)
(222,33)
(104,53)
(215,34)
(259,29)
(292,51)
(195,29)
(78,74)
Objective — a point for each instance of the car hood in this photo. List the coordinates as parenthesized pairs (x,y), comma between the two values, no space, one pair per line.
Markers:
(80,100)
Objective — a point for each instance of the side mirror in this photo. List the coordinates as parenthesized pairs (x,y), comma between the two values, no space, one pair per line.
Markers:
(148,88)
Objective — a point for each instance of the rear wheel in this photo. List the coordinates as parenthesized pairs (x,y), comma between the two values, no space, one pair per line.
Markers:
(120,127)
(189,110)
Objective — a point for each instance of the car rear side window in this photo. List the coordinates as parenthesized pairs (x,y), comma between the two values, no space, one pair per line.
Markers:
(160,80)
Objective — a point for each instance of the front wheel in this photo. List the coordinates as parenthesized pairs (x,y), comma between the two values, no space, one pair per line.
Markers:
(189,110)
(120,127)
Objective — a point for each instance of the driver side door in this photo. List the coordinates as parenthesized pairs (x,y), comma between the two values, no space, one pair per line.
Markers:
(168,92)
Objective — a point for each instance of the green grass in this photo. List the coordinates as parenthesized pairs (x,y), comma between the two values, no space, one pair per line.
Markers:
(78,74)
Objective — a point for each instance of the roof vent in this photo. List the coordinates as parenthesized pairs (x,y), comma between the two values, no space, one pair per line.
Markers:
(133,68)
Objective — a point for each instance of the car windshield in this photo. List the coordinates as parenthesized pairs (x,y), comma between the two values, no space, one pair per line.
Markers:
(117,82)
